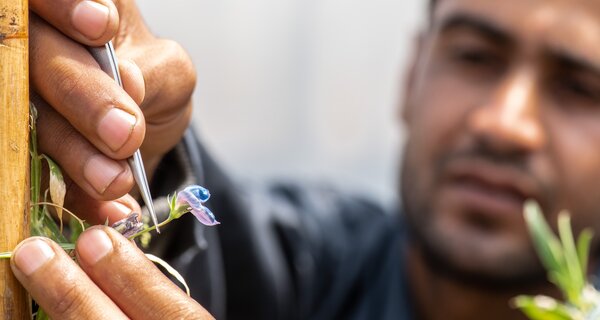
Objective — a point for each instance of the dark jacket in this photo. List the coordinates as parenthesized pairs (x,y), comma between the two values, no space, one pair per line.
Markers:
(283,251)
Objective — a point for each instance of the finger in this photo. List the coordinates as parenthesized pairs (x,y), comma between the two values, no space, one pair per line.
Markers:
(92,210)
(98,175)
(160,61)
(133,80)
(92,23)
(58,285)
(68,78)
(164,124)
(100,212)
(122,271)
(62,143)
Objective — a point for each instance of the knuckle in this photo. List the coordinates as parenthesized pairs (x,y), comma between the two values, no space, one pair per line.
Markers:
(62,144)
(182,61)
(123,288)
(177,59)
(57,137)
(68,82)
(182,310)
(68,300)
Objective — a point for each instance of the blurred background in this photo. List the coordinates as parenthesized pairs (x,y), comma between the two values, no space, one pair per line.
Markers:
(298,89)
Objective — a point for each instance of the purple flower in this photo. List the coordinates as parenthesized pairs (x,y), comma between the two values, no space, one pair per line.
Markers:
(129,226)
(191,199)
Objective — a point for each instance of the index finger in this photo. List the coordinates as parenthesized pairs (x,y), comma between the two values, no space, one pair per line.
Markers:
(92,23)
(122,271)
(57,284)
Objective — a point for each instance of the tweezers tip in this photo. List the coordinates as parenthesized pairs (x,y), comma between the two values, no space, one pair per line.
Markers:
(153,216)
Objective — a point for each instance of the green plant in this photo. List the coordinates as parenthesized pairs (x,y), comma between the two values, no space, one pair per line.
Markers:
(566,263)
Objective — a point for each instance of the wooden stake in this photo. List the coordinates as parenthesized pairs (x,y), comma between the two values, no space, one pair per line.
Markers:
(14,150)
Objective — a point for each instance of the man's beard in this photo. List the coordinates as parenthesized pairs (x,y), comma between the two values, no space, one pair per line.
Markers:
(442,253)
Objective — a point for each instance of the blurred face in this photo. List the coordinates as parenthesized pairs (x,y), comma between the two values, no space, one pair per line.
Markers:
(503,105)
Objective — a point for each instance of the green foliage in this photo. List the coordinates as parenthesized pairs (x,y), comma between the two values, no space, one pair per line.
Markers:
(41,315)
(42,223)
(57,187)
(566,263)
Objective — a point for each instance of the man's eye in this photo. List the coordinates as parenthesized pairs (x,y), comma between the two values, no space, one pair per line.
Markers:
(476,62)
(576,88)
(476,57)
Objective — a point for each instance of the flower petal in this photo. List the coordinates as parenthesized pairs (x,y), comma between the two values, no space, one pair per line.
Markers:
(188,199)
(205,216)
(199,192)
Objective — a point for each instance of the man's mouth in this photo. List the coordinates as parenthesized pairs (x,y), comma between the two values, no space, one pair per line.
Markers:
(488,188)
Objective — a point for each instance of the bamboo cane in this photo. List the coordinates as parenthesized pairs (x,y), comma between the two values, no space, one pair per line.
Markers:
(14,150)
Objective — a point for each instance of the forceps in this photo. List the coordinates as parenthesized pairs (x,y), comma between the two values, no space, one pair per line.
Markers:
(107,59)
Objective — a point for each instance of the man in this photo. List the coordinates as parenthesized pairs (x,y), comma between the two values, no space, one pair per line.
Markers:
(501,105)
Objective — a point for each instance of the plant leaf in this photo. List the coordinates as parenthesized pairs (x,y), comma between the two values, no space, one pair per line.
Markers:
(542,308)
(575,279)
(545,241)
(76,228)
(48,228)
(67,246)
(35,173)
(58,188)
(583,248)
(41,315)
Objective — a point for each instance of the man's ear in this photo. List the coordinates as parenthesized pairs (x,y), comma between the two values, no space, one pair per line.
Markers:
(405,109)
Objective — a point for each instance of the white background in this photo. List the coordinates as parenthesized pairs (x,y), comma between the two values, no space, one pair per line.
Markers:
(298,89)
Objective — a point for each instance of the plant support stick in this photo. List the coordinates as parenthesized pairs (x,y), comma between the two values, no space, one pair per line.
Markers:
(14,150)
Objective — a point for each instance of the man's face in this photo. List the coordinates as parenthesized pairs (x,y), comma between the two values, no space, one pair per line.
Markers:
(503,105)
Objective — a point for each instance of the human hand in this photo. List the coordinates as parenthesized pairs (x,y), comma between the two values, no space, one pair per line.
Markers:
(114,280)
(89,124)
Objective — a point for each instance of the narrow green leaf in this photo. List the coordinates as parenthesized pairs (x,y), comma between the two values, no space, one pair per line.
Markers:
(35,170)
(583,248)
(542,308)
(67,246)
(545,241)
(49,228)
(576,279)
(559,279)
(41,315)
(172,202)
(76,228)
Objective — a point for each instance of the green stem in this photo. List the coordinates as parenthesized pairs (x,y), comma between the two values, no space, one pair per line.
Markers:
(65,246)
(169,219)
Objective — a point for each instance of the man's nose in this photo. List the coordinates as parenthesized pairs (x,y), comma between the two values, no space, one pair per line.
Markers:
(510,120)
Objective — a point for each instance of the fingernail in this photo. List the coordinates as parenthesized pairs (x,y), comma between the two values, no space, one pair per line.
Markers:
(122,209)
(93,245)
(90,19)
(116,127)
(31,255)
(100,172)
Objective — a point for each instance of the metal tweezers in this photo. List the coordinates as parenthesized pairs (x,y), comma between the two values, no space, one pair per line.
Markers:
(107,59)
